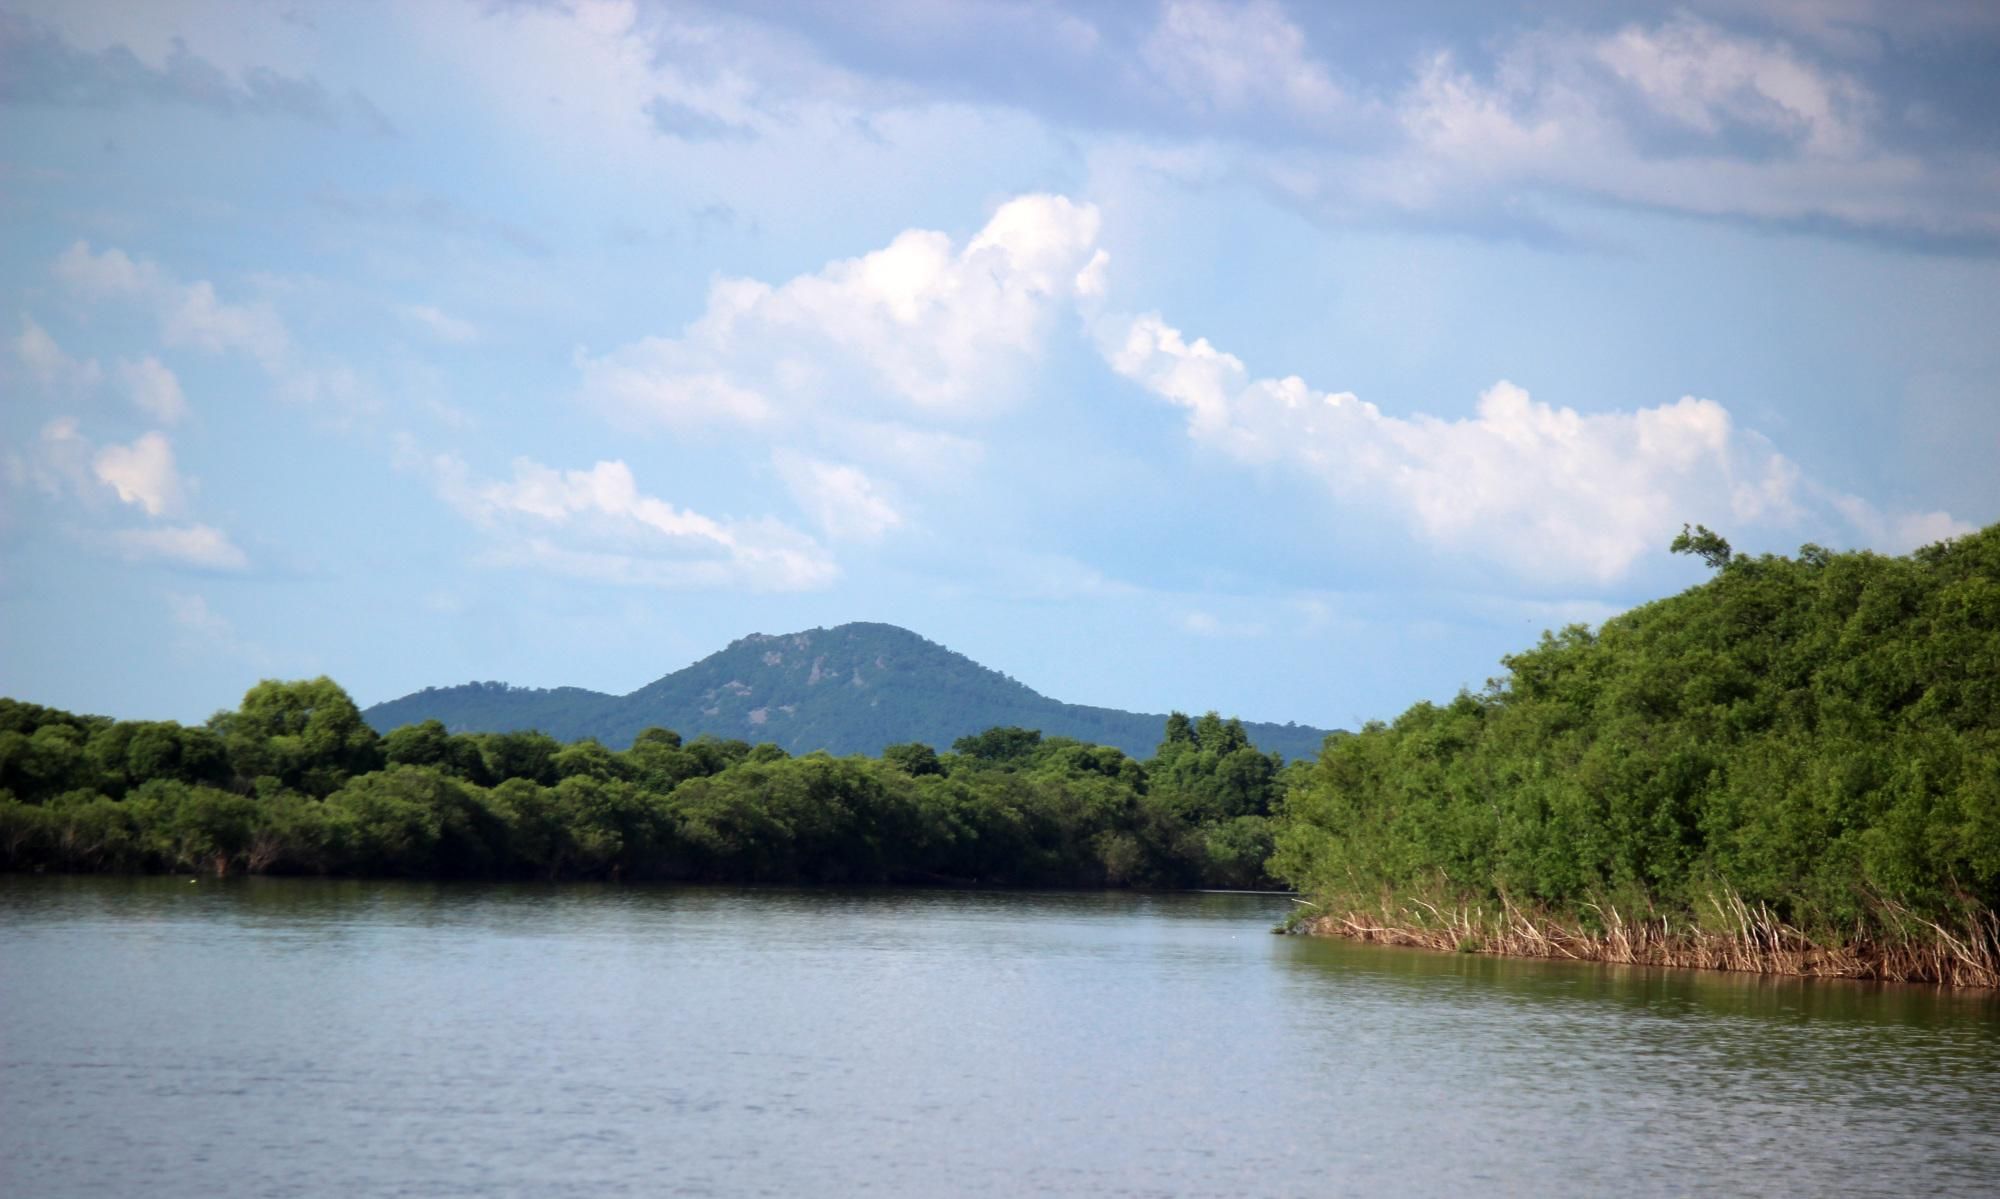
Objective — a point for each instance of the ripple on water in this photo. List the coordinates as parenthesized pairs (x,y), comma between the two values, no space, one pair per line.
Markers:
(371,1038)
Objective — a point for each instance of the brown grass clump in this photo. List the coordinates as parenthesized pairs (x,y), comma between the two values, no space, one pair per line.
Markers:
(1741,938)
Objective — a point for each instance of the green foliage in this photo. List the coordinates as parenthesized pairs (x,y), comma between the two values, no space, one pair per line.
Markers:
(518,755)
(914,759)
(1208,771)
(428,744)
(1706,544)
(999,745)
(193,828)
(308,735)
(1821,735)
(294,783)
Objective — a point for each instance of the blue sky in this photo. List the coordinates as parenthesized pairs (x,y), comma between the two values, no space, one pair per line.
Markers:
(1296,361)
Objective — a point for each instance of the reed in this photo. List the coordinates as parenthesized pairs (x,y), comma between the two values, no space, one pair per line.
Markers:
(1733,935)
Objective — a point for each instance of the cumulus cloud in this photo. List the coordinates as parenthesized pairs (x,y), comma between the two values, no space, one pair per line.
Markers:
(64,465)
(843,501)
(200,547)
(1898,532)
(920,325)
(112,274)
(189,314)
(1234,58)
(1546,491)
(49,365)
(596,524)
(1700,77)
(1681,115)
(143,474)
(57,463)
(154,389)
(193,315)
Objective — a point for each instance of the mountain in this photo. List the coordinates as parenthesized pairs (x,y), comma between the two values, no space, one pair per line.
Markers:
(850,689)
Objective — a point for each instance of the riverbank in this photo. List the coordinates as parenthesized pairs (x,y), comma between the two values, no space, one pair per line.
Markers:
(1737,937)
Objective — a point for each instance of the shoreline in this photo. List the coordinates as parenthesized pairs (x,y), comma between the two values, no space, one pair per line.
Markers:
(1751,941)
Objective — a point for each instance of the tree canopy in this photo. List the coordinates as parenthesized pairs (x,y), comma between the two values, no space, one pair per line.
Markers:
(294,781)
(1819,735)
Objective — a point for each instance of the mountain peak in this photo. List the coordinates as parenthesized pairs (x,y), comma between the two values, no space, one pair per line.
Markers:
(852,688)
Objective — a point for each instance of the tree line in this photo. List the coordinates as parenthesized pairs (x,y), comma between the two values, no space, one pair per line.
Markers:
(294,781)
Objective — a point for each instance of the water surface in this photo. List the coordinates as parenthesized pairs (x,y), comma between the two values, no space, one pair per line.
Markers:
(271,1037)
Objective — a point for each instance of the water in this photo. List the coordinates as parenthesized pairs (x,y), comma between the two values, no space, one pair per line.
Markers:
(274,1037)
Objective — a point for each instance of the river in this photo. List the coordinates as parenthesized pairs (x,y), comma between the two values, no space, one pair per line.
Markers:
(281,1037)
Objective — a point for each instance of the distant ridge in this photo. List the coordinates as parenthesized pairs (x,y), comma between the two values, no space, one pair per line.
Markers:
(854,688)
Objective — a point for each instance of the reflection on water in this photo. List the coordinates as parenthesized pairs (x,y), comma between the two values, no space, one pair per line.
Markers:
(270,1036)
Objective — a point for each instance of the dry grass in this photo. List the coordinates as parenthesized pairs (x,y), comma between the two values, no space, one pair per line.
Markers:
(1741,937)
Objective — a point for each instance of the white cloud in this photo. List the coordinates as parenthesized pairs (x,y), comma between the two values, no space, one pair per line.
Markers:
(64,464)
(843,501)
(654,382)
(1764,134)
(143,473)
(111,275)
(1705,79)
(1679,114)
(193,316)
(920,325)
(57,463)
(154,389)
(1232,58)
(929,456)
(441,325)
(50,366)
(1898,532)
(596,524)
(202,547)
(189,314)
(1549,492)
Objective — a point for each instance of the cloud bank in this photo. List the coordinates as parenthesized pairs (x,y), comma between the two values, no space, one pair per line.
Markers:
(1545,492)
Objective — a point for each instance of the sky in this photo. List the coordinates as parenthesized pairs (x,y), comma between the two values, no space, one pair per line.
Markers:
(1297,361)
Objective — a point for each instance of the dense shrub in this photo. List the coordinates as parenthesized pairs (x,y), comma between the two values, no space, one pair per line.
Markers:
(1820,735)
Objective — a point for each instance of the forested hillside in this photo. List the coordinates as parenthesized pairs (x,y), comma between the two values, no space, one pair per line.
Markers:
(295,782)
(855,688)
(1796,763)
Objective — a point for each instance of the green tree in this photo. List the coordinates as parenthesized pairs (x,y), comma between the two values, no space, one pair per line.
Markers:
(307,734)
(999,746)
(1705,544)
(914,759)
